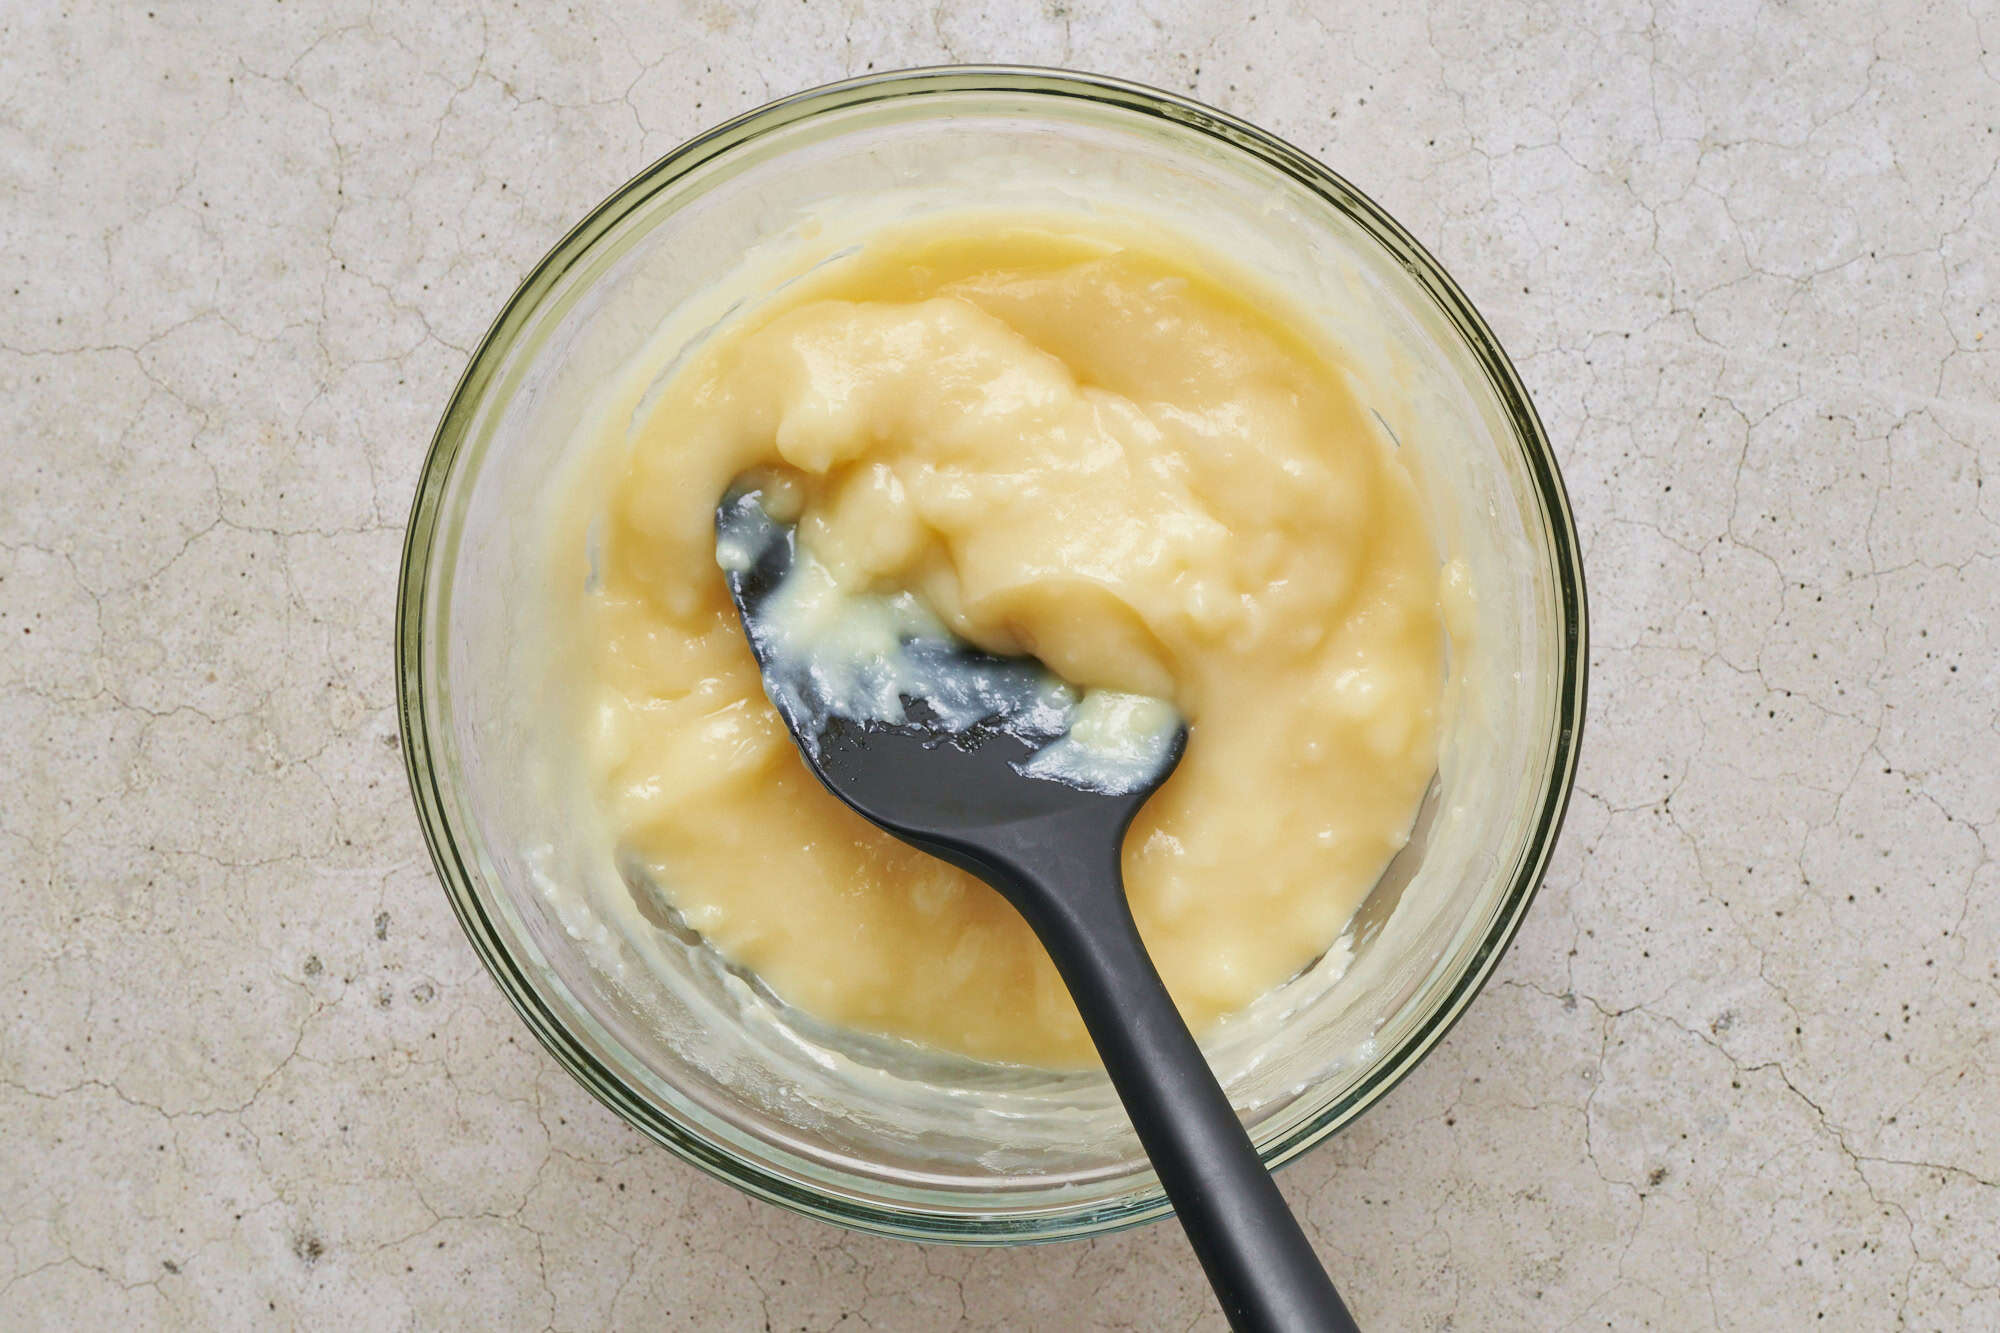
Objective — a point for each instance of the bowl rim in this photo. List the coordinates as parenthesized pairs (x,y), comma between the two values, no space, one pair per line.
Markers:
(422,767)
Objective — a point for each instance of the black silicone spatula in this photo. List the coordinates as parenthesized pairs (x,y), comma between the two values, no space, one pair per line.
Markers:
(1052,850)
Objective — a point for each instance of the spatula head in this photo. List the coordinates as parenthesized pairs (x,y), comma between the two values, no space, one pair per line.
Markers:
(918,731)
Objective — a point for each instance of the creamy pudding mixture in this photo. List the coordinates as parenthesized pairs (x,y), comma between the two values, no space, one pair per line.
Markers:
(1082,440)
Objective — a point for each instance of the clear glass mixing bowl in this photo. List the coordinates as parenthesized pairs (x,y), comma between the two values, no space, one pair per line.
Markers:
(879,1135)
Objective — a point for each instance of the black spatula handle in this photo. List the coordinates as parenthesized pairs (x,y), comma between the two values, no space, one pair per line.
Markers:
(1262,1267)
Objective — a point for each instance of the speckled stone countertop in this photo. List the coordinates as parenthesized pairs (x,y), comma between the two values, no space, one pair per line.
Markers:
(1741,1068)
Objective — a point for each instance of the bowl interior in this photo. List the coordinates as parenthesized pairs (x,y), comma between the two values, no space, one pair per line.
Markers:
(874,1133)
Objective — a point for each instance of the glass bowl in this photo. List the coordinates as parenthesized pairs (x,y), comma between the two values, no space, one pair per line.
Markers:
(880,1135)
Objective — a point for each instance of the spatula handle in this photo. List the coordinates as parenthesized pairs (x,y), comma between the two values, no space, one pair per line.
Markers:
(1260,1263)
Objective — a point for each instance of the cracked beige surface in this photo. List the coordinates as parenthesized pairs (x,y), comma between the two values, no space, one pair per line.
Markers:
(1740,1069)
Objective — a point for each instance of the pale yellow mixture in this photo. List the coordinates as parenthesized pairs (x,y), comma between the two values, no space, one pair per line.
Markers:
(1086,441)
